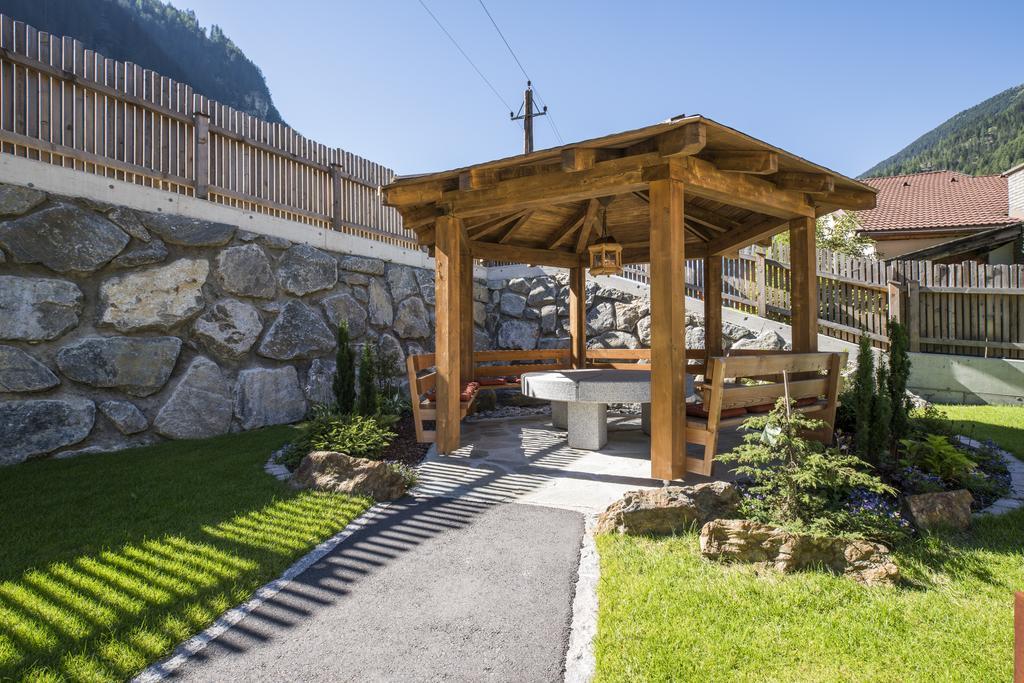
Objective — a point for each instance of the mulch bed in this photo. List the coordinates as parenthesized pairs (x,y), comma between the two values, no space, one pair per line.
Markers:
(404,448)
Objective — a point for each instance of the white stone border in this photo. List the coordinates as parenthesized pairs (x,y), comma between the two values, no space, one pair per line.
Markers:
(1016,497)
(197,643)
(580,663)
(275,469)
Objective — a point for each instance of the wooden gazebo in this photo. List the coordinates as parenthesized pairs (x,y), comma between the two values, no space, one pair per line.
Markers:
(686,188)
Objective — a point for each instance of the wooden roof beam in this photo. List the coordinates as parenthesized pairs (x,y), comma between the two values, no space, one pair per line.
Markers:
(683,141)
(756,163)
(486,227)
(476,178)
(814,183)
(595,209)
(517,254)
(583,158)
(515,226)
(853,200)
(756,230)
(571,226)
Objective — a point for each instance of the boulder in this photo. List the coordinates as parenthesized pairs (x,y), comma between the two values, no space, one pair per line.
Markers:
(361,264)
(37,309)
(412,321)
(479,314)
(340,473)
(156,298)
(228,328)
(601,318)
(297,332)
(518,334)
(125,415)
(155,251)
(613,340)
(63,237)
(626,316)
(304,269)
(402,281)
(268,396)
(643,331)
(519,285)
(668,510)
(200,405)
(695,337)
(355,279)
(387,345)
(734,332)
(549,318)
(379,304)
(480,292)
(768,340)
(42,426)
(320,381)
(614,294)
(554,343)
(16,200)
(273,242)
(188,232)
(950,509)
(541,295)
(21,372)
(139,366)
(345,307)
(128,220)
(245,270)
(741,540)
(513,304)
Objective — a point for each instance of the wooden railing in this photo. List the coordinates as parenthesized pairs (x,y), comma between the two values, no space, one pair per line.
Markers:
(66,105)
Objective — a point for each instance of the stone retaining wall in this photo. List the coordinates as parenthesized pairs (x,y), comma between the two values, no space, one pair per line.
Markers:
(120,328)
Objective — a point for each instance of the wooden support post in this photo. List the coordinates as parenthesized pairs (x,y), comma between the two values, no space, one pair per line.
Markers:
(448,344)
(202,154)
(804,284)
(466,314)
(896,313)
(761,281)
(713,305)
(914,315)
(578,316)
(337,210)
(668,354)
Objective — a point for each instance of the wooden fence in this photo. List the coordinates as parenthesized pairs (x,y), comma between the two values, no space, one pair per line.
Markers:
(966,309)
(63,104)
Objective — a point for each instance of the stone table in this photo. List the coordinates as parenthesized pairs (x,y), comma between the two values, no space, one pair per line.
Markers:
(580,398)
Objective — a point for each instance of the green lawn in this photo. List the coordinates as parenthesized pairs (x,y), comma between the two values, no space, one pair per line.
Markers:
(110,560)
(1002,424)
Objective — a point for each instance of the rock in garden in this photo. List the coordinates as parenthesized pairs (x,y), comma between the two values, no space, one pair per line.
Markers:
(139,366)
(613,340)
(733,332)
(519,285)
(297,332)
(601,318)
(541,295)
(402,282)
(614,294)
(695,337)
(513,304)
(668,510)
(768,340)
(643,331)
(360,264)
(320,381)
(37,309)
(42,426)
(189,232)
(379,304)
(412,320)
(128,220)
(125,415)
(21,372)
(626,316)
(518,334)
(340,473)
(63,237)
(480,314)
(942,509)
(273,241)
(245,270)
(387,345)
(304,269)
(344,307)
(200,405)
(268,396)
(480,292)
(143,255)
(229,328)
(155,298)
(741,540)
(15,200)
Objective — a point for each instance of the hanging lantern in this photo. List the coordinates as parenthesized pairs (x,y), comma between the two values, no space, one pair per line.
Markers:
(605,253)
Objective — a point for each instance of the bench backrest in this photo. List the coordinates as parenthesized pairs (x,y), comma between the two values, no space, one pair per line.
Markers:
(423,375)
(808,375)
(640,359)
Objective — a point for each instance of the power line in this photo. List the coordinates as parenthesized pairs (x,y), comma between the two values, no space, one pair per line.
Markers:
(459,48)
(512,52)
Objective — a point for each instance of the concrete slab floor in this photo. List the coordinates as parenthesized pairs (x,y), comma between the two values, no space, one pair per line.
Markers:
(528,460)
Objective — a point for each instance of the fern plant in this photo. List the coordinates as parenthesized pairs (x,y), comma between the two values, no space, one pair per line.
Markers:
(936,455)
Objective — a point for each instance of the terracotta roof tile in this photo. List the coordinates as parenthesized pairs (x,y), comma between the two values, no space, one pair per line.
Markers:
(937,199)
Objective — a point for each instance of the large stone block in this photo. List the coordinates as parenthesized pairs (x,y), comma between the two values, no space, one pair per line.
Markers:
(265,396)
(155,251)
(42,426)
(304,269)
(360,264)
(341,473)
(37,309)
(189,232)
(669,510)
(125,416)
(402,281)
(15,200)
(601,318)
(518,334)
(297,332)
(613,340)
(128,220)
(513,304)
(768,340)
(245,270)
(229,328)
(320,381)
(63,237)
(200,405)
(379,305)
(344,307)
(139,366)
(156,298)
(950,509)
(20,372)
(412,320)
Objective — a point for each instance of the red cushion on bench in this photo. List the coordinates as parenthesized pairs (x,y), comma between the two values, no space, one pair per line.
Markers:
(493,381)
(698,410)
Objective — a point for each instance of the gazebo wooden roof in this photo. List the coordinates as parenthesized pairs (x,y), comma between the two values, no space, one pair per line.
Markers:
(689,187)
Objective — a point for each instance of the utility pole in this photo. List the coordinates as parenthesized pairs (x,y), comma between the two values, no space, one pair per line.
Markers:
(526,114)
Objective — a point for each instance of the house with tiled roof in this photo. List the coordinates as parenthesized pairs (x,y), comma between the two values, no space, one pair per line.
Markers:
(946,216)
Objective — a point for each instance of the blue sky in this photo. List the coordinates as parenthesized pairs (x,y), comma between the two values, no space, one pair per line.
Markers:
(844,84)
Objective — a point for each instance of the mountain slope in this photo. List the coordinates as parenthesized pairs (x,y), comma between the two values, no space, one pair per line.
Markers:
(988,138)
(160,37)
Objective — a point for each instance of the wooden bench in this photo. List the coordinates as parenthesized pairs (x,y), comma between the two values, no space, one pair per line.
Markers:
(491,370)
(813,380)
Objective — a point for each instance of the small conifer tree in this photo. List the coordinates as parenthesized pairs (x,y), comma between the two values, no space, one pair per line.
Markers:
(864,398)
(366,403)
(344,384)
(899,375)
(881,418)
